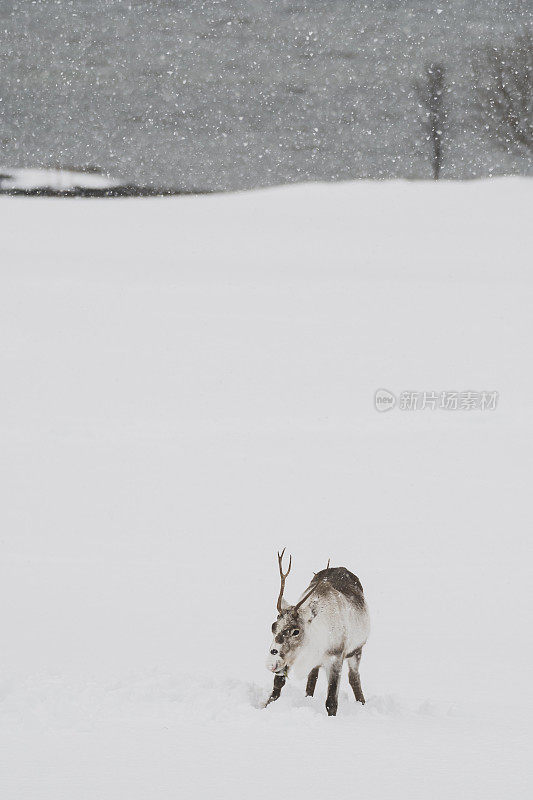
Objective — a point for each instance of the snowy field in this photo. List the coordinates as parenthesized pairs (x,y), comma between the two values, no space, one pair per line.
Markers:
(188,385)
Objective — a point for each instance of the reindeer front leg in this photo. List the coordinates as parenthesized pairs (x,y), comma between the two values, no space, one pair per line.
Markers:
(279,683)
(334,674)
(311,682)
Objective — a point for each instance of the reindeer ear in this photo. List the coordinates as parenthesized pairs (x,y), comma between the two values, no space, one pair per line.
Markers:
(284,604)
(313,610)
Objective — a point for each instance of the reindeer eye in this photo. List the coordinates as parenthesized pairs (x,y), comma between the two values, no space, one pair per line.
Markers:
(295,632)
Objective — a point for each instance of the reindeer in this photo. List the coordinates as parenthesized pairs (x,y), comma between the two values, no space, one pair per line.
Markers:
(329,624)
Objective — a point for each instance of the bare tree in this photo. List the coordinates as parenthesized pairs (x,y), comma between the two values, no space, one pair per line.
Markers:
(504,90)
(430,92)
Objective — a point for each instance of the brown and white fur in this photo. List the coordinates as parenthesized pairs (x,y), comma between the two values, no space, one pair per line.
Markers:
(328,625)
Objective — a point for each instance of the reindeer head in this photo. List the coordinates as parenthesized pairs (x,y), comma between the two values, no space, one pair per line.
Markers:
(289,629)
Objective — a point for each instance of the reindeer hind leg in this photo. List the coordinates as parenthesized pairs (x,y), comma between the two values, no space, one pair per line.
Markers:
(353,674)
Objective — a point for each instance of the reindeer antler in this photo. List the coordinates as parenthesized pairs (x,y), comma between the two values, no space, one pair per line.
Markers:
(308,595)
(315,587)
(283,575)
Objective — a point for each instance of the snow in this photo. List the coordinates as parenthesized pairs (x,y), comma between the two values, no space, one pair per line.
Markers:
(188,385)
(59,180)
(237,94)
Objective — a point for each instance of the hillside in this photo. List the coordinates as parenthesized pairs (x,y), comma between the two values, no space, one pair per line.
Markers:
(236,94)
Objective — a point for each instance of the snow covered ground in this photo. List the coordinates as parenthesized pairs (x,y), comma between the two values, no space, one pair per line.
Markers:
(57,180)
(188,385)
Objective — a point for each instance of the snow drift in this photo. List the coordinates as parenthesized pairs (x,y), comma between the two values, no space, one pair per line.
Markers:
(54,180)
